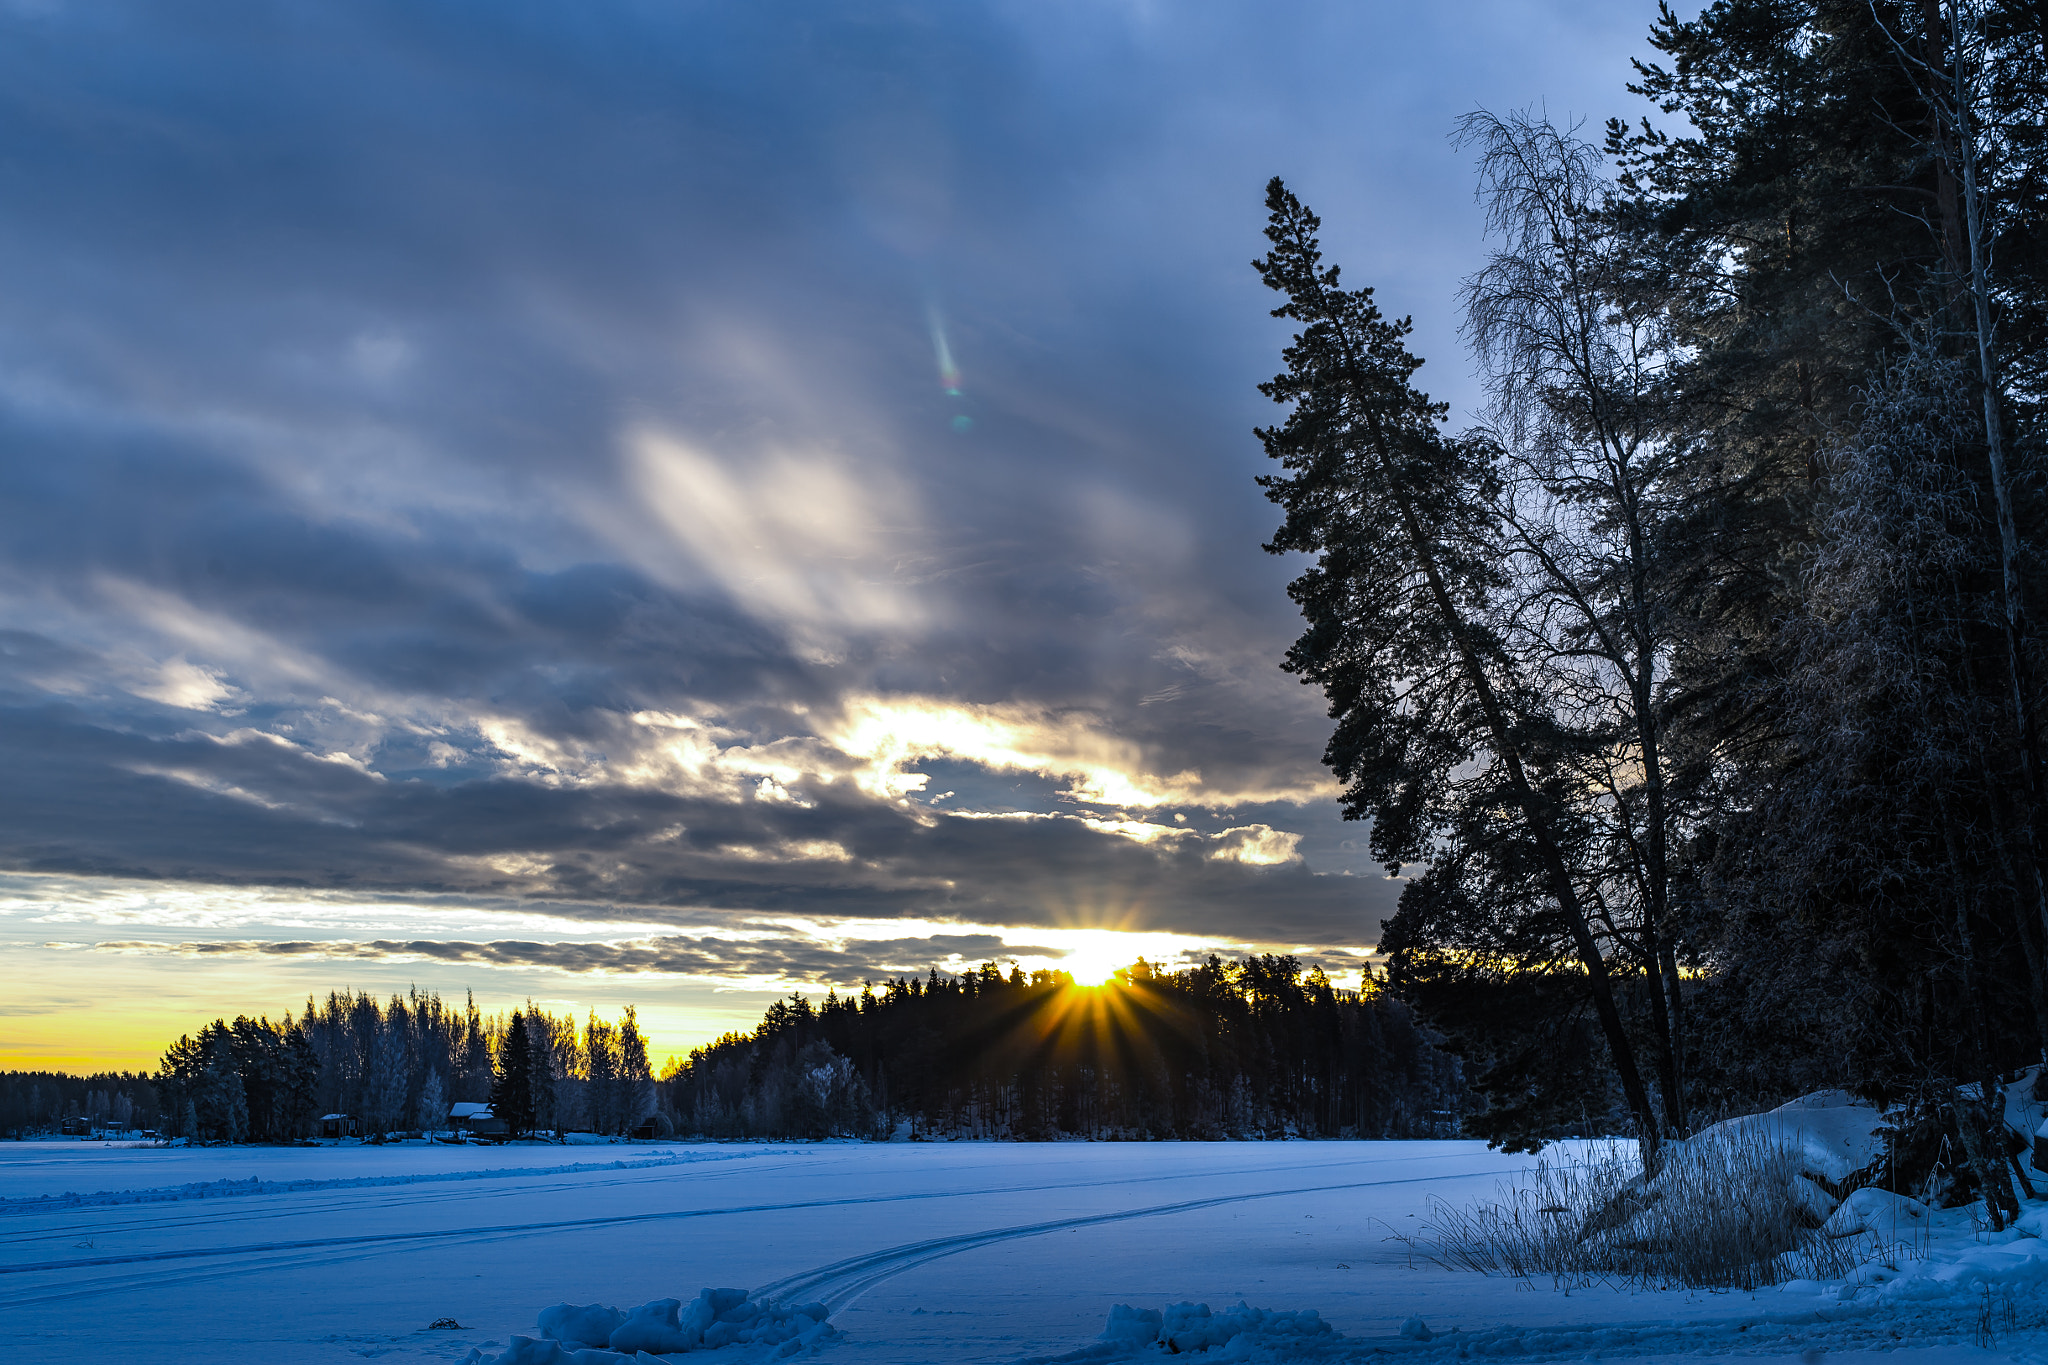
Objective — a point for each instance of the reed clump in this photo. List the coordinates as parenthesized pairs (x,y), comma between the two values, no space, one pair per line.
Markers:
(1728,1210)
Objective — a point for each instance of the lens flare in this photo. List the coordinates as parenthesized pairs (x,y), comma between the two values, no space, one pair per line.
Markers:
(942,350)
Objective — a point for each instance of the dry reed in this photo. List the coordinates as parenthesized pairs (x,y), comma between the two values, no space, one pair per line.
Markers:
(1727,1211)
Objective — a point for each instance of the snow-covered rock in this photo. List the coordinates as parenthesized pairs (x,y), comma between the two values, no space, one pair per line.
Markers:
(1879,1212)
(1835,1134)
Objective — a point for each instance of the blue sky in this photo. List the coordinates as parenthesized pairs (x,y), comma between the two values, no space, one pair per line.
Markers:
(531,497)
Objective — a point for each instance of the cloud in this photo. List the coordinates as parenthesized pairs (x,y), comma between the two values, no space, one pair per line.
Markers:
(180,682)
(499,457)
(1257,845)
(749,961)
(801,539)
(1099,765)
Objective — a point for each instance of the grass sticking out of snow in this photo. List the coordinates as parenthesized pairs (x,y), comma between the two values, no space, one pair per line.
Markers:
(1730,1210)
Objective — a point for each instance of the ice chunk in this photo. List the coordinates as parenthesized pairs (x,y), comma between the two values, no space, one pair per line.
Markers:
(653,1327)
(528,1351)
(708,1306)
(1138,1326)
(1187,1327)
(720,1334)
(1415,1329)
(589,1324)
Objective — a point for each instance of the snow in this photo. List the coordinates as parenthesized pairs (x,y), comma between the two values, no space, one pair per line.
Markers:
(1834,1132)
(907,1254)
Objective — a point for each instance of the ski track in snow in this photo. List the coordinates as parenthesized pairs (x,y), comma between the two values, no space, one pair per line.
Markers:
(836,1285)
(253,1187)
(839,1284)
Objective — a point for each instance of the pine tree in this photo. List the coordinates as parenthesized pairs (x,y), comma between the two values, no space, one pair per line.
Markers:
(636,1074)
(512,1085)
(1398,517)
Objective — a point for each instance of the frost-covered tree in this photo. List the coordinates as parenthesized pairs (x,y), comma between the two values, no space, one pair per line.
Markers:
(431,1113)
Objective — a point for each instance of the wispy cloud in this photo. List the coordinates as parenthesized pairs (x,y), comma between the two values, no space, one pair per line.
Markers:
(511,465)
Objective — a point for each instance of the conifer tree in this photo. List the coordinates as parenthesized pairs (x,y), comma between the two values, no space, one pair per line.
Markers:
(1398,517)
(512,1085)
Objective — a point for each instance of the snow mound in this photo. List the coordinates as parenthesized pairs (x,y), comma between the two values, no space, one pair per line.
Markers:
(1877,1212)
(1835,1134)
(594,1334)
(1240,1333)
(1939,1272)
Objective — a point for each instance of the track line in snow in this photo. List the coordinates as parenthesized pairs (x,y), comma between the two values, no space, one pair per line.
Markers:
(837,1285)
(867,1270)
(175,1215)
(194,1190)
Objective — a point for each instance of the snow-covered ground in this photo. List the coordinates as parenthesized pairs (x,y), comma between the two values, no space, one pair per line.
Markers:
(920,1253)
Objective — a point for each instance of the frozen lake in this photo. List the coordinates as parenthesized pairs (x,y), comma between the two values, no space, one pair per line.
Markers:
(925,1252)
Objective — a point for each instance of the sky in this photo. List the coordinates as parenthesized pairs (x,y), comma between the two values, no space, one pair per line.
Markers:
(669,502)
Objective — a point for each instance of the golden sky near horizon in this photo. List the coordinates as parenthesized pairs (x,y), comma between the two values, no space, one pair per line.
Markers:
(104,973)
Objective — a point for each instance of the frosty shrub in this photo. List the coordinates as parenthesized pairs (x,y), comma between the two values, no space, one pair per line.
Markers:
(1728,1211)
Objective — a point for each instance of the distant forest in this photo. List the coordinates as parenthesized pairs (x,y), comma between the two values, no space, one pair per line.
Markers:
(1249,1049)
(396,1067)
(34,1102)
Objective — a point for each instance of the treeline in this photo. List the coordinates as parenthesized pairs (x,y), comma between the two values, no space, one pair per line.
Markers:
(1705,674)
(399,1065)
(36,1102)
(1249,1049)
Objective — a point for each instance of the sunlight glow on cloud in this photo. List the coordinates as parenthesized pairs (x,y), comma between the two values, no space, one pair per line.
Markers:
(180,682)
(1101,767)
(757,959)
(1259,845)
(797,537)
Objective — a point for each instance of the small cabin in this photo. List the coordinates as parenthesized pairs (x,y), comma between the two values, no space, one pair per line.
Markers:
(78,1127)
(477,1120)
(338,1125)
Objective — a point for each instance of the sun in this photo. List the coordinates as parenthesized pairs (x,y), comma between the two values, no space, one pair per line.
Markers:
(1096,956)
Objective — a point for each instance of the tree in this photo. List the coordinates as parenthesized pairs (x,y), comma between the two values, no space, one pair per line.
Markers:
(636,1074)
(601,1078)
(1575,351)
(1399,518)
(384,1085)
(512,1084)
(432,1112)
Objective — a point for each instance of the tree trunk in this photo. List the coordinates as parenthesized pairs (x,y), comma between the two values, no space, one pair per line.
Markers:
(1535,812)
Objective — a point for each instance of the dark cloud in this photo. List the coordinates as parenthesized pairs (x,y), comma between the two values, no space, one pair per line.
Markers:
(783,959)
(399,404)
